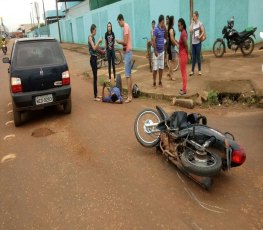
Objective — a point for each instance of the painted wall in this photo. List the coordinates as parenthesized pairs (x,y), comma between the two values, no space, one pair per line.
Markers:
(139,14)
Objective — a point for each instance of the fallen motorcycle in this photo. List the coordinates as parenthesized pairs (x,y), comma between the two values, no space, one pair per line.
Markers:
(235,40)
(196,149)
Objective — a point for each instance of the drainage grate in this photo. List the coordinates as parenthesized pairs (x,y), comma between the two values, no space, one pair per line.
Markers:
(42,132)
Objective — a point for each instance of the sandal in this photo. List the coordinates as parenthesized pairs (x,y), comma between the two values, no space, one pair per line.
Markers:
(182,93)
(128,100)
(96,99)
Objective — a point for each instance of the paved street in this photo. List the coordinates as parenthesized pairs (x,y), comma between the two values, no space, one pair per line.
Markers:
(91,173)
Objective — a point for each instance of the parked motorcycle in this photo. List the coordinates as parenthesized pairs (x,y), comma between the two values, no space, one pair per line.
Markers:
(261,35)
(198,150)
(235,40)
(4,49)
(102,57)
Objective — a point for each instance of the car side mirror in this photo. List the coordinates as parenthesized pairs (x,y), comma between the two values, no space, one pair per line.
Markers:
(6,60)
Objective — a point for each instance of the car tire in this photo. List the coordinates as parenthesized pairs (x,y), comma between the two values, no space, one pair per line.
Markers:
(17,116)
(67,106)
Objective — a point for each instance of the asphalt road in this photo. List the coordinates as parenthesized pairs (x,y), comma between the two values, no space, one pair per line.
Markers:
(91,173)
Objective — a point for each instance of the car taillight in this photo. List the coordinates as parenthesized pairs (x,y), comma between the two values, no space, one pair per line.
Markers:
(16,85)
(65,78)
(238,156)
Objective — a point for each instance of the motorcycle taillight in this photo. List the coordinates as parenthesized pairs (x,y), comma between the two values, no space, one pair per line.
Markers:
(238,156)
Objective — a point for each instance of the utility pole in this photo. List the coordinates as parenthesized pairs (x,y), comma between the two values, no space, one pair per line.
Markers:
(32,9)
(58,22)
(44,12)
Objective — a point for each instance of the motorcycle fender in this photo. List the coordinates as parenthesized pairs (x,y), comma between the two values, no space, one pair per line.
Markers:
(220,40)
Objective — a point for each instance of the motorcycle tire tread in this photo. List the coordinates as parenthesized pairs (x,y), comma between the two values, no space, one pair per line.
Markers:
(157,141)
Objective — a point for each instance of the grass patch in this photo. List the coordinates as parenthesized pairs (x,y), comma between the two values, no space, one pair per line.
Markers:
(212,98)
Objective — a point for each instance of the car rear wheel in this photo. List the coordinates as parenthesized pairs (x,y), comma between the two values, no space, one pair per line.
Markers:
(17,116)
(67,106)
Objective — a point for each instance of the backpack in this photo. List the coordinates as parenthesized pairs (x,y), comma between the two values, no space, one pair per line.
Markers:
(136,91)
(204,36)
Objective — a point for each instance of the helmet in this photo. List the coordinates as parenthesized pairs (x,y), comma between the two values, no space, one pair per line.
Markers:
(231,23)
(136,91)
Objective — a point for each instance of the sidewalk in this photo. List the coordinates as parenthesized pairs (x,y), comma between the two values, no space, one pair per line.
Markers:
(232,74)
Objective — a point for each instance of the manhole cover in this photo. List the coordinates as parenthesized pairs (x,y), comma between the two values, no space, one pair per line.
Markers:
(42,132)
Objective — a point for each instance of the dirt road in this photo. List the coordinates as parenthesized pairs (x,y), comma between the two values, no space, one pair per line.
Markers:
(91,173)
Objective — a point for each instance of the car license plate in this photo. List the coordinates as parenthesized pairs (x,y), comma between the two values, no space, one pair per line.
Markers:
(44,99)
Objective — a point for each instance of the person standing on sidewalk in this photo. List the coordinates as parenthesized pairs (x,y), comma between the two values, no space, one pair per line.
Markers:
(93,58)
(183,53)
(109,43)
(197,31)
(171,47)
(127,50)
(158,46)
(149,43)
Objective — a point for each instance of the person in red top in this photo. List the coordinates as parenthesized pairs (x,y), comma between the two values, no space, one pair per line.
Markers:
(183,53)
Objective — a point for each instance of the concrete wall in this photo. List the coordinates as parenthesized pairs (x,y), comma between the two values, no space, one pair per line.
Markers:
(139,14)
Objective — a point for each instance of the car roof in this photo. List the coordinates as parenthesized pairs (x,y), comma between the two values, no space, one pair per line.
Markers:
(35,39)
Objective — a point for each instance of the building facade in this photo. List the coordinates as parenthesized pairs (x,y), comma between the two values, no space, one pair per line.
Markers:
(75,26)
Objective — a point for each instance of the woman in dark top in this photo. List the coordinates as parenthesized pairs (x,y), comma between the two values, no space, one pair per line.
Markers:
(109,42)
(93,58)
(171,47)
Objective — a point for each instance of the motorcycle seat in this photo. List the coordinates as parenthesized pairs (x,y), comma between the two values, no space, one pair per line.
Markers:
(178,120)
(243,33)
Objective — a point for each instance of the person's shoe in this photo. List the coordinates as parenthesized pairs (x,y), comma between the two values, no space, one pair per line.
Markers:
(191,74)
(154,85)
(96,99)
(200,73)
(160,84)
(182,93)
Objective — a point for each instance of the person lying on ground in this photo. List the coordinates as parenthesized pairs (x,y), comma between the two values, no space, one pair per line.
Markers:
(114,95)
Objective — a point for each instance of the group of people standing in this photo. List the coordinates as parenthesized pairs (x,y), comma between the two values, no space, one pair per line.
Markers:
(163,37)
(115,95)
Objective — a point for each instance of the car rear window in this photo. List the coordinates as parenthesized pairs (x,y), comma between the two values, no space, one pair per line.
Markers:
(38,53)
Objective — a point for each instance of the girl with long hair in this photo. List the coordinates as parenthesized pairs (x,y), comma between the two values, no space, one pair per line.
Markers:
(183,53)
(109,42)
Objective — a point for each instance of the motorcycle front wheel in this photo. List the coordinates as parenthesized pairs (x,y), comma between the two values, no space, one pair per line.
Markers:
(208,165)
(219,48)
(176,62)
(118,57)
(145,128)
(99,63)
(247,47)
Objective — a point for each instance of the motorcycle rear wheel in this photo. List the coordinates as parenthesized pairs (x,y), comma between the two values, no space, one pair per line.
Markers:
(205,167)
(247,47)
(99,63)
(219,48)
(118,57)
(147,136)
